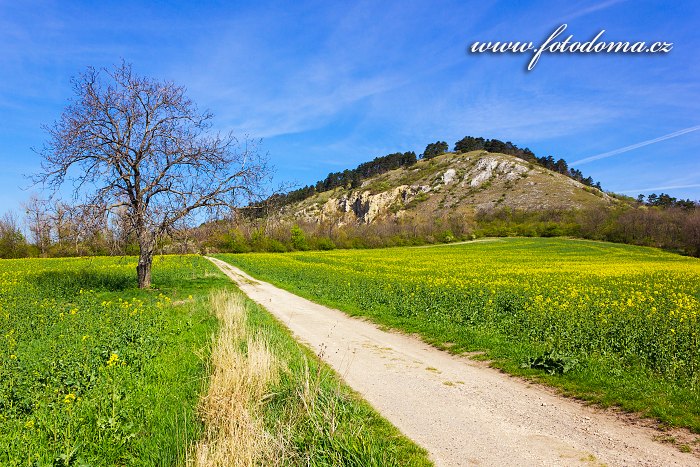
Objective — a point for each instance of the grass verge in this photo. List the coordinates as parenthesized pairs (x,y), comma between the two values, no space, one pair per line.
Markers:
(272,402)
(242,368)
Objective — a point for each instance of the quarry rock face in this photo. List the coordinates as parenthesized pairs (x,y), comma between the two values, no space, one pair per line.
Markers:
(367,206)
(488,167)
(361,206)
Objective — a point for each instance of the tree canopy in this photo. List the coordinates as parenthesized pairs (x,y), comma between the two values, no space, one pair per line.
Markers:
(435,149)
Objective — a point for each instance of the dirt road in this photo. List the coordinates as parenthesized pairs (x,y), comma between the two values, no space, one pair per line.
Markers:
(461,411)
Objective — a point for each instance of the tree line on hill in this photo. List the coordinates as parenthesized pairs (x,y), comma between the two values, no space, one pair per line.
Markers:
(666,201)
(352,178)
(673,228)
(470,143)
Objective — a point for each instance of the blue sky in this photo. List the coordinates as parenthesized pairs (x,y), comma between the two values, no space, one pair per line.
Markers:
(328,85)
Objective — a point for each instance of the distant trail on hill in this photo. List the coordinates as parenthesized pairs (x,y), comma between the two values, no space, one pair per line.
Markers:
(461,411)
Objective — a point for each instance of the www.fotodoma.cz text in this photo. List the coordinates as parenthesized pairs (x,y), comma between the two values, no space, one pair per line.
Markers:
(568,45)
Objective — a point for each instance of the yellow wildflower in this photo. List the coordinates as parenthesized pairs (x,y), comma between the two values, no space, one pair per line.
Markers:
(113,360)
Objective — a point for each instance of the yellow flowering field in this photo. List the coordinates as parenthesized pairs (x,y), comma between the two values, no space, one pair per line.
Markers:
(610,322)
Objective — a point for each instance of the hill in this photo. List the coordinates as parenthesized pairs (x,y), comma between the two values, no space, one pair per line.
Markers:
(449,184)
(484,188)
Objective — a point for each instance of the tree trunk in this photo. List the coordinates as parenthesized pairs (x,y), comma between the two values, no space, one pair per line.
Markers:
(143,269)
(146,248)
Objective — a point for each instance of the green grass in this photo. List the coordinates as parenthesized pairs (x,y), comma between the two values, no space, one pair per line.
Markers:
(613,324)
(94,371)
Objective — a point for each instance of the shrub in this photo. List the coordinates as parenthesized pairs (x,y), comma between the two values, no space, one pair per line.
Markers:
(299,239)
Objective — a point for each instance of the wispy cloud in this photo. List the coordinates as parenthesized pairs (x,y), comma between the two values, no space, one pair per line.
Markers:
(632,147)
(308,110)
(658,188)
(338,66)
(591,9)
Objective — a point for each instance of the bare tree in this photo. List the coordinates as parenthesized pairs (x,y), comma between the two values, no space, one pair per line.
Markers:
(62,225)
(140,144)
(39,223)
(116,232)
(79,227)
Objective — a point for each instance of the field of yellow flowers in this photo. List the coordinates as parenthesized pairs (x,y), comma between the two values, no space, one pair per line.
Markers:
(612,323)
(94,371)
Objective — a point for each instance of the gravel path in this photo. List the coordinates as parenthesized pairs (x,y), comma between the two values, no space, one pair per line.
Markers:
(461,411)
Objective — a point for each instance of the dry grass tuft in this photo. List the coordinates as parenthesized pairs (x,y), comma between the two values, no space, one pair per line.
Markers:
(234,431)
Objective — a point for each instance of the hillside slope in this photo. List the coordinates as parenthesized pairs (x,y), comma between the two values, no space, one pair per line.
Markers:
(450,184)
